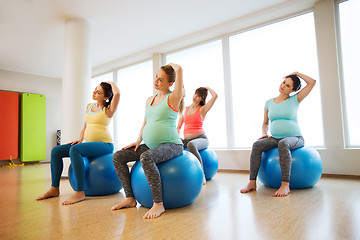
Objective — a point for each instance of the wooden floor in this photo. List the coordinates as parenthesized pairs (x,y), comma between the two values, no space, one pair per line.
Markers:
(330,210)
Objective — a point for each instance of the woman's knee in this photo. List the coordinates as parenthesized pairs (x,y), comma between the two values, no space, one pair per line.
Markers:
(119,156)
(284,144)
(74,150)
(257,146)
(55,151)
(145,158)
(191,146)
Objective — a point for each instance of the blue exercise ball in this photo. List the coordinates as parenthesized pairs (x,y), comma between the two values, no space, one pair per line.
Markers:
(210,162)
(181,179)
(100,176)
(306,168)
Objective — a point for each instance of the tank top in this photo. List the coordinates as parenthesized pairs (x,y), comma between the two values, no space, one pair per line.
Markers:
(97,126)
(160,124)
(283,117)
(193,122)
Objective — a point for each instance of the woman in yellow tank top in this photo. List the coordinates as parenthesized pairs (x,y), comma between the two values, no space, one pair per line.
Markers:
(97,142)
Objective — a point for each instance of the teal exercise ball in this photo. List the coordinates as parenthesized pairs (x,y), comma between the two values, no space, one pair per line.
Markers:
(306,168)
(181,179)
(210,162)
(100,176)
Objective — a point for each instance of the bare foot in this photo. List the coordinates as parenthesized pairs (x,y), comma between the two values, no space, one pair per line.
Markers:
(156,210)
(249,187)
(126,203)
(78,196)
(204,180)
(283,191)
(52,192)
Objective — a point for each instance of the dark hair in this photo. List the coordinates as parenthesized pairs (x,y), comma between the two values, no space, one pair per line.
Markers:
(107,93)
(171,75)
(296,82)
(202,92)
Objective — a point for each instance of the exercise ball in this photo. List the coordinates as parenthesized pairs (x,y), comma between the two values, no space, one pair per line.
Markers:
(306,168)
(181,179)
(210,162)
(100,176)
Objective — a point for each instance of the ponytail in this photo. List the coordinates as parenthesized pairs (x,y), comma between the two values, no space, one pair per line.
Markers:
(107,93)
(202,92)
(181,105)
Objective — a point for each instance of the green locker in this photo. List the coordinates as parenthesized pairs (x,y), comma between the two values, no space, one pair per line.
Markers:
(33,127)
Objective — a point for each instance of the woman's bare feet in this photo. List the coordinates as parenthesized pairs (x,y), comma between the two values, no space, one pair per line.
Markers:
(156,210)
(78,196)
(126,203)
(52,192)
(283,191)
(249,187)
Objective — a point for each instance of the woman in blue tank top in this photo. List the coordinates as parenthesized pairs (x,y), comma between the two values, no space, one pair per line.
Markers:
(161,139)
(284,129)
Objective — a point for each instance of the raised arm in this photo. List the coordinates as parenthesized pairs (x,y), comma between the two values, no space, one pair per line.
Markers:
(178,94)
(204,109)
(115,100)
(310,83)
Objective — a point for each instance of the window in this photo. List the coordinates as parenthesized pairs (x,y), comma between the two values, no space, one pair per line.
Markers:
(203,67)
(136,85)
(350,49)
(259,59)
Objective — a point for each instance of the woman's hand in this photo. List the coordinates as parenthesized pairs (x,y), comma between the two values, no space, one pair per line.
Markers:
(293,73)
(175,66)
(134,144)
(265,136)
(75,142)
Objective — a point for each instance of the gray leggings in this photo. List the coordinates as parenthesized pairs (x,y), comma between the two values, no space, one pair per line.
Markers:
(196,144)
(148,159)
(284,145)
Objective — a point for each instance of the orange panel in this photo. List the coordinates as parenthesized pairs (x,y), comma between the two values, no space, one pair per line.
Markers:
(9,125)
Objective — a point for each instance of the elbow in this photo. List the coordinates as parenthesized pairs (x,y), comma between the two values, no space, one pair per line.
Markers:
(311,82)
(116,94)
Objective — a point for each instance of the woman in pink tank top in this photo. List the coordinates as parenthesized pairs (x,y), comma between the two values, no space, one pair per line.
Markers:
(193,118)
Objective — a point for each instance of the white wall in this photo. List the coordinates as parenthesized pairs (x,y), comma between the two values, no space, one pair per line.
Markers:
(50,87)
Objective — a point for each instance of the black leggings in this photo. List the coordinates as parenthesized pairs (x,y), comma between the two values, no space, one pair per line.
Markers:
(148,158)
(284,145)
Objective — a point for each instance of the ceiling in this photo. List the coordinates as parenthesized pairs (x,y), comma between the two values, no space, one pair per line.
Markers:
(32,31)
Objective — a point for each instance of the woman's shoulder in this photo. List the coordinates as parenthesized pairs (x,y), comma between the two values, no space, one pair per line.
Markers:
(294,98)
(149,99)
(271,100)
(88,106)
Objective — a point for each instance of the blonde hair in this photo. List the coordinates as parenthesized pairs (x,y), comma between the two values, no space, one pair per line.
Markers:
(171,75)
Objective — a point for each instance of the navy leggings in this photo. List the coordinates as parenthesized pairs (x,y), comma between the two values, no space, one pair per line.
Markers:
(148,159)
(284,145)
(76,152)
